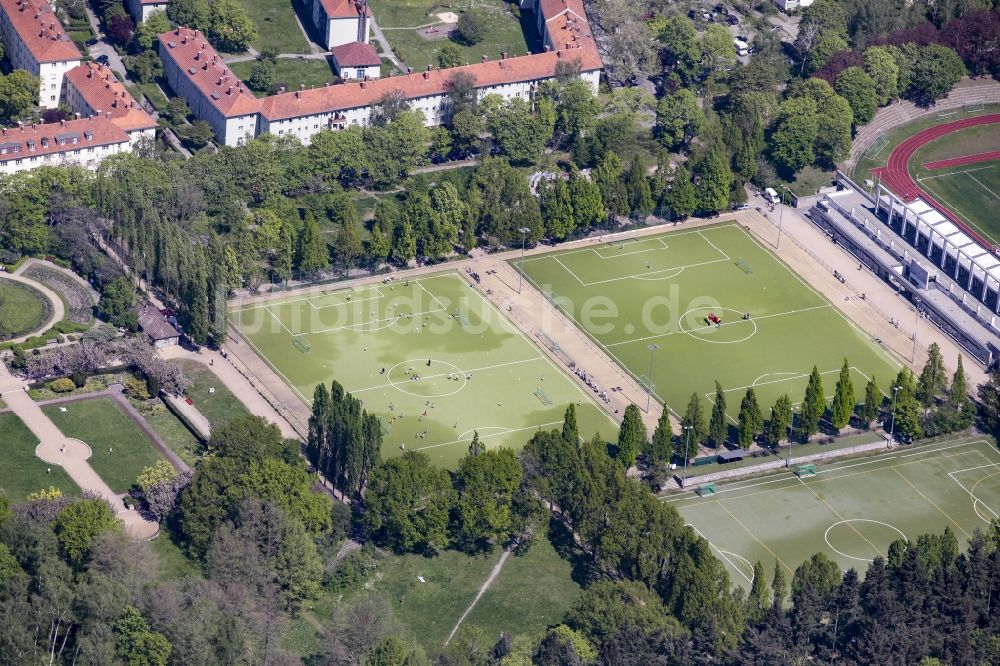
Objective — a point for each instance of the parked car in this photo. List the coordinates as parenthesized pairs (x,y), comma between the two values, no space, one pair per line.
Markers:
(733,19)
(102,60)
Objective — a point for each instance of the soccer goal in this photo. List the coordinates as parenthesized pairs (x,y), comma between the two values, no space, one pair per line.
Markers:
(705,489)
(972,107)
(461,319)
(744,266)
(301,344)
(802,471)
(946,114)
(877,145)
(543,396)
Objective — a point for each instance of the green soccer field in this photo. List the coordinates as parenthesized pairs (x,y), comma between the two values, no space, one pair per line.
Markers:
(971,191)
(660,290)
(851,511)
(430,356)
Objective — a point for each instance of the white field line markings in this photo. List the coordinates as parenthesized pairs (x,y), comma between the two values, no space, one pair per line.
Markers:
(647,274)
(549,255)
(355,326)
(377,297)
(433,297)
(584,332)
(717,248)
(280,323)
(808,286)
(752,485)
(273,367)
(983,186)
(958,212)
(445,374)
(723,554)
(567,269)
(487,436)
(953,173)
(972,495)
(704,328)
(622,253)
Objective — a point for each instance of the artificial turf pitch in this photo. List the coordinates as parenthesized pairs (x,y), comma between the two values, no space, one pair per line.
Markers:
(851,511)
(628,294)
(452,363)
(971,191)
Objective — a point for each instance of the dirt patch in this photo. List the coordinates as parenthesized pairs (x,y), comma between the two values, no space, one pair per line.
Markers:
(437,32)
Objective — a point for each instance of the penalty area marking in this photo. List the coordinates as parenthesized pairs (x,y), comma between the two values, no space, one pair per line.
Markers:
(725,554)
(848,521)
(976,502)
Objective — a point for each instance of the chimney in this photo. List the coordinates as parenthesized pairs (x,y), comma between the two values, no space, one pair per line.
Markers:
(78,116)
(485,58)
(229,90)
(297,94)
(362,84)
(62,123)
(504,54)
(427,74)
(281,89)
(547,48)
(428,68)
(302,86)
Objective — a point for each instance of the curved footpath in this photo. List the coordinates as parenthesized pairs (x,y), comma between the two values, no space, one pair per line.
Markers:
(56,303)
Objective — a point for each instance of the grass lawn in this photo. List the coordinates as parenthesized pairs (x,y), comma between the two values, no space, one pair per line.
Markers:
(276,25)
(850,510)
(21,472)
(660,291)
(430,356)
(398,18)
(809,179)
(173,564)
(880,150)
(219,405)
(177,435)
(102,425)
(22,308)
(291,72)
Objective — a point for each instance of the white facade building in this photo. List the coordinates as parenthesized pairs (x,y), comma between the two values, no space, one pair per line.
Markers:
(84,142)
(143,9)
(36,42)
(341,22)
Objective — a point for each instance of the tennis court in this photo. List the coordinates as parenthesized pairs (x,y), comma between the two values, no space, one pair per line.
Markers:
(431,356)
(851,510)
(716,305)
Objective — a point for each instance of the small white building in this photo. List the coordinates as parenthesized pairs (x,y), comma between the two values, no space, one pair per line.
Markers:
(791,5)
(341,22)
(36,42)
(143,9)
(356,60)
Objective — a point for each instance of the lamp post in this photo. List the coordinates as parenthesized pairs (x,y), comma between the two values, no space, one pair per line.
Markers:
(892,422)
(913,352)
(520,275)
(687,447)
(781,214)
(649,379)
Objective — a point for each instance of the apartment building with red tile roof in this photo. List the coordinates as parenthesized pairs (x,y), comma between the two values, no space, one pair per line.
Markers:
(356,60)
(198,74)
(34,40)
(192,63)
(84,142)
(93,89)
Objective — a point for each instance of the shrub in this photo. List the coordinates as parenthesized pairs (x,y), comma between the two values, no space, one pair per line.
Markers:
(136,388)
(471,27)
(62,385)
(79,378)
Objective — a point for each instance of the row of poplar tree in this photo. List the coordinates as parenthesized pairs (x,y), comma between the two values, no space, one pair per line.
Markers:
(915,405)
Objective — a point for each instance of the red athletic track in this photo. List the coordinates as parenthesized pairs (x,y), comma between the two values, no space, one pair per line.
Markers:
(964,159)
(896,176)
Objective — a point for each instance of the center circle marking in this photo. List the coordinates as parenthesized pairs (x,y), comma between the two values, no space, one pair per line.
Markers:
(694,333)
(826,535)
(422,363)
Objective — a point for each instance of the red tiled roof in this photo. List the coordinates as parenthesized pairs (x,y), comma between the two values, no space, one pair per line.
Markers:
(202,65)
(343,8)
(153,2)
(89,132)
(565,22)
(422,84)
(104,93)
(40,30)
(355,54)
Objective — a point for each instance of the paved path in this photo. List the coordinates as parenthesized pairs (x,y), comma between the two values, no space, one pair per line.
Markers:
(70,454)
(133,416)
(192,414)
(385,48)
(55,303)
(241,387)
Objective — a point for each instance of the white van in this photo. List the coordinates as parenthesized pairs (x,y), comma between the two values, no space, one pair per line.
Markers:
(770,195)
(742,48)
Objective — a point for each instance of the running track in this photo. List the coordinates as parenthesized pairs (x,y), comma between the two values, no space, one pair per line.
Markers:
(896,176)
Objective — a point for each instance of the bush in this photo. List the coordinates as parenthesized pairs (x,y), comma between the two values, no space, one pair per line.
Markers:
(136,388)
(471,27)
(62,385)
(79,378)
